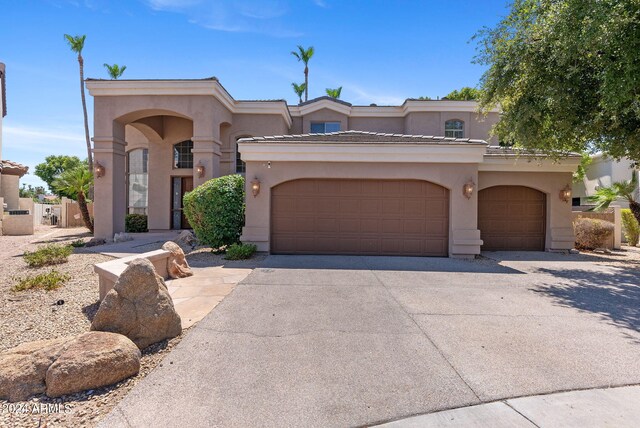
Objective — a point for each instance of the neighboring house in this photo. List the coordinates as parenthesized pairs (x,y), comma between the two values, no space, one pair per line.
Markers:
(328,176)
(602,172)
(10,172)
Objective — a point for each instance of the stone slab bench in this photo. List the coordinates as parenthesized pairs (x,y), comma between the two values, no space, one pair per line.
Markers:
(109,272)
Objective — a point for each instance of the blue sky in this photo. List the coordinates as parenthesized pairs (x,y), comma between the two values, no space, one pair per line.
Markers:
(378,51)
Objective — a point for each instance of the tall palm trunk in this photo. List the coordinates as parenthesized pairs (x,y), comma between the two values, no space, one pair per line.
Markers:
(635,209)
(84,210)
(84,111)
(306,83)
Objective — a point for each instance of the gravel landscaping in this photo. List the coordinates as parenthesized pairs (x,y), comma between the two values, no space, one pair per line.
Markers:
(35,315)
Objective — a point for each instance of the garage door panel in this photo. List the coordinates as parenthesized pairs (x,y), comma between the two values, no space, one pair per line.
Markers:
(394,217)
(512,218)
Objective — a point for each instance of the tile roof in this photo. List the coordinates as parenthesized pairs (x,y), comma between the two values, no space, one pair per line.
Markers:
(362,137)
(511,151)
(325,97)
(13,168)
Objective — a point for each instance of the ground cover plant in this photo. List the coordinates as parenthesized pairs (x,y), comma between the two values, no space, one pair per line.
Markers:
(43,281)
(240,251)
(46,255)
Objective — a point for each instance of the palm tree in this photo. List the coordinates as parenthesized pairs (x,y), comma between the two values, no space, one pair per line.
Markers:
(304,55)
(76,43)
(299,90)
(77,180)
(115,71)
(334,93)
(625,190)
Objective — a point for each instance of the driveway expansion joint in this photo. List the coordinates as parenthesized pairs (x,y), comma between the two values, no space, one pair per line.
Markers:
(302,333)
(505,402)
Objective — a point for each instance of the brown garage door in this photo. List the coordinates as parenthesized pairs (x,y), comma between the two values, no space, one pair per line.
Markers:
(384,217)
(512,218)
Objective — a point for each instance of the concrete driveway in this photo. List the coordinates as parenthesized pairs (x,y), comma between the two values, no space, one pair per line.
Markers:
(352,341)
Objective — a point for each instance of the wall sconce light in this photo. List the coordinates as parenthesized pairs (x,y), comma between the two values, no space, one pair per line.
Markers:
(467,189)
(200,169)
(255,187)
(99,169)
(565,194)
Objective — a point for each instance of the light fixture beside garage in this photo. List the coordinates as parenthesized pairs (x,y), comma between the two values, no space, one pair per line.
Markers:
(99,169)
(467,189)
(255,187)
(565,194)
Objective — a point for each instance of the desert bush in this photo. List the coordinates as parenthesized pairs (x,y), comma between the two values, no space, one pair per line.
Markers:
(135,223)
(78,243)
(50,254)
(240,251)
(631,227)
(591,233)
(215,210)
(45,281)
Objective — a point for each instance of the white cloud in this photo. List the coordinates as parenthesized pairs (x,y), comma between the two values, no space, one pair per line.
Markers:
(235,16)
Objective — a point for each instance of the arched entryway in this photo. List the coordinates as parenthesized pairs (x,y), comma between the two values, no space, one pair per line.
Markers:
(354,216)
(512,218)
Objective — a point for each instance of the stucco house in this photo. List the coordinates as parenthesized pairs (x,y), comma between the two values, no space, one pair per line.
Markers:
(602,172)
(326,177)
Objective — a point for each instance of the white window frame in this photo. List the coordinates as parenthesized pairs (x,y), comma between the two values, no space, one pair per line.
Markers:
(454,132)
(324,126)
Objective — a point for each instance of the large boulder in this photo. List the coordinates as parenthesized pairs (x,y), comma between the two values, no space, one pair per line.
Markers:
(66,365)
(139,306)
(177,266)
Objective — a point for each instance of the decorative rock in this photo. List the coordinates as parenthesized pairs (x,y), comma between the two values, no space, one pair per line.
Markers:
(66,365)
(186,238)
(122,237)
(93,360)
(139,306)
(93,242)
(177,266)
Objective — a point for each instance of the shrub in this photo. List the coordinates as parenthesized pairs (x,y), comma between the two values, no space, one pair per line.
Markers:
(215,210)
(45,281)
(591,233)
(631,227)
(50,254)
(240,251)
(78,243)
(135,223)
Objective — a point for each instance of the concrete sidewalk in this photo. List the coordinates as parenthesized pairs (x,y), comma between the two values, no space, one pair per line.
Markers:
(614,407)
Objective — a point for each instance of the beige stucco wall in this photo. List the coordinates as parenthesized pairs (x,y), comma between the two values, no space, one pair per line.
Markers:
(10,191)
(324,115)
(463,237)
(559,228)
(433,123)
(14,225)
(394,125)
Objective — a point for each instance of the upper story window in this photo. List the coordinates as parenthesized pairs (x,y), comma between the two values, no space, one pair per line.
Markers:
(454,128)
(324,127)
(241,167)
(182,155)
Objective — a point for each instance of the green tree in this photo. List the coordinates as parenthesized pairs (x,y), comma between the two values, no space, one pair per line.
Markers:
(305,55)
(425,98)
(77,180)
(566,76)
(28,191)
(299,90)
(53,166)
(115,71)
(625,190)
(334,93)
(464,94)
(76,43)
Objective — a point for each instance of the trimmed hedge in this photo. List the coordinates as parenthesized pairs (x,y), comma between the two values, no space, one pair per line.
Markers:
(215,210)
(631,227)
(135,223)
(240,251)
(591,233)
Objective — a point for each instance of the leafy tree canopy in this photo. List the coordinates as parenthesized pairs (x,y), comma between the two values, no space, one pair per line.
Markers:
(464,94)
(28,191)
(334,93)
(53,166)
(566,76)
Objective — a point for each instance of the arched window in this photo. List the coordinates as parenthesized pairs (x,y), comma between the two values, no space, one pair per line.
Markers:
(241,167)
(138,180)
(454,128)
(182,155)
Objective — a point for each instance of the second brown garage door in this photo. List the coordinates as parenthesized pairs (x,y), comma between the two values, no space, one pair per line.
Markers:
(373,217)
(512,218)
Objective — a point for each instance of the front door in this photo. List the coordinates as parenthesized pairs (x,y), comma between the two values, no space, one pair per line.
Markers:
(179,186)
